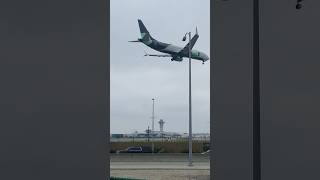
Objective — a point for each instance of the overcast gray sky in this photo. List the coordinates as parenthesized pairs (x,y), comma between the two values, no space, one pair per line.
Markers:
(135,79)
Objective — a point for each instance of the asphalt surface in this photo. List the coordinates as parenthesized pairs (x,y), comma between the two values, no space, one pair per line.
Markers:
(160,166)
(158,157)
(163,174)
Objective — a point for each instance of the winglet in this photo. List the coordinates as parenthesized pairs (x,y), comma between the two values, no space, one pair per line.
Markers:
(196,30)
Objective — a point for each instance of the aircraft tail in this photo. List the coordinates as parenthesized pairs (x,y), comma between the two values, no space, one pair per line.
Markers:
(145,35)
(143,28)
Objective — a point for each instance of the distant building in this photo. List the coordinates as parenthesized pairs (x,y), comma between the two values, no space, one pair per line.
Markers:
(117,135)
(150,134)
(161,134)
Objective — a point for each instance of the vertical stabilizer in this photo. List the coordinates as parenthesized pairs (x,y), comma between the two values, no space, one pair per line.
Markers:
(145,36)
(143,28)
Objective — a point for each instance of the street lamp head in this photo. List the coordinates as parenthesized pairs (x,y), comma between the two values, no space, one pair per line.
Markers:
(185,37)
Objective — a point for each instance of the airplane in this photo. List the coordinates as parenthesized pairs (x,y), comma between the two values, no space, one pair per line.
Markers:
(176,53)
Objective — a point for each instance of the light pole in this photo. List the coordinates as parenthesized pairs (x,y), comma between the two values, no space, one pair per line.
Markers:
(190,107)
(152,132)
(148,132)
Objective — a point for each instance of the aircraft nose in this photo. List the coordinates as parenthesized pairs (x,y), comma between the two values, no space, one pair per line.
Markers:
(206,57)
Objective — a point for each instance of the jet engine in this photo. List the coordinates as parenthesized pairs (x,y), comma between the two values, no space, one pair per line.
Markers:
(176,59)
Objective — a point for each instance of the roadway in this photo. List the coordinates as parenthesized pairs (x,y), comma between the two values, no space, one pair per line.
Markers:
(160,166)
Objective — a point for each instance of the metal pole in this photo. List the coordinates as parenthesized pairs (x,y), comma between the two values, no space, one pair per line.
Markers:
(152,125)
(190,114)
(148,134)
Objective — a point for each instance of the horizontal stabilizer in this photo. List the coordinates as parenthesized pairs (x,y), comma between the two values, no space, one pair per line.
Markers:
(134,41)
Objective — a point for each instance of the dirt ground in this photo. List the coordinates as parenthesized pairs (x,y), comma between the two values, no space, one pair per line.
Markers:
(163,174)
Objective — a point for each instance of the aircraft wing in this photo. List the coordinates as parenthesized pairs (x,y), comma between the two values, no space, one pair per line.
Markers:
(192,43)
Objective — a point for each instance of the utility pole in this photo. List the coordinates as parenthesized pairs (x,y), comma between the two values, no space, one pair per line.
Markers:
(190,107)
(148,131)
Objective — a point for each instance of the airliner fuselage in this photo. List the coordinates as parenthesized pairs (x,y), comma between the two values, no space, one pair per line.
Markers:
(177,53)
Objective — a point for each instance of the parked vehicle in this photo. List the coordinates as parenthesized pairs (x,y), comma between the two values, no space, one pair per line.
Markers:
(131,150)
(138,149)
(206,152)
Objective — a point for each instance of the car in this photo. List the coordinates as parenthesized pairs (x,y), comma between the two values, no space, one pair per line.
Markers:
(131,150)
(206,152)
(137,149)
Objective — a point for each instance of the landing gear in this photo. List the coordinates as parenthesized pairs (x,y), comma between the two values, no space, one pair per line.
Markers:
(202,62)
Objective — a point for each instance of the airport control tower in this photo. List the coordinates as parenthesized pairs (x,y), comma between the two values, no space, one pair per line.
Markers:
(161,123)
